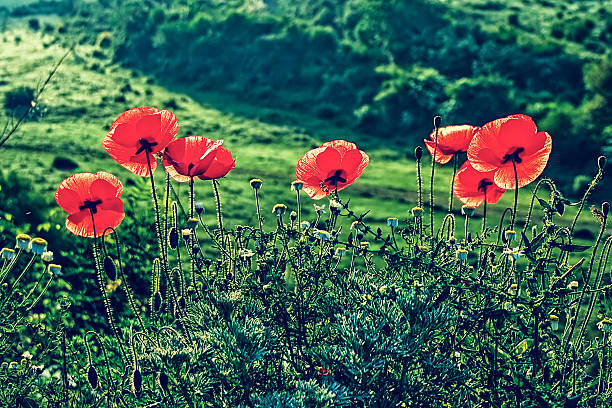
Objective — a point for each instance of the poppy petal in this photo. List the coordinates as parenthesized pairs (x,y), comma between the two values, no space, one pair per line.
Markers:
(112,179)
(80,224)
(101,188)
(329,160)
(469,189)
(528,170)
(69,200)
(78,184)
(174,174)
(222,164)
(342,146)
(307,165)
(440,156)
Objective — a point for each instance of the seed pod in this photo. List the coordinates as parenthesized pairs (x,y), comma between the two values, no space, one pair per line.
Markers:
(162,381)
(92,377)
(136,382)
(173,238)
(157,302)
(418,153)
(110,268)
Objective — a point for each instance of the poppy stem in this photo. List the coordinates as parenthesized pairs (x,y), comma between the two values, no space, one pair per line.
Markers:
(452,186)
(191,198)
(515,194)
(258,212)
(431,181)
(219,215)
(299,210)
(484,213)
(160,239)
(105,299)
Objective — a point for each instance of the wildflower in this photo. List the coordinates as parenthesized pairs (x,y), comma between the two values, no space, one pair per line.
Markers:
(513,139)
(417,212)
(7,253)
(47,256)
(186,232)
(136,135)
(364,244)
(38,245)
(304,225)
(471,186)
(55,269)
(467,210)
(197,156)
(323,235)
(340,251)
(23,241)
(554,321)
(279,209)
(392,222)
(199,207)
(297,185)
(461,254)
(572,285)
(256,183)
(605,325)
(91,198)
(451,140)
(331,167)
(319,209)
(509,235)
(513,254)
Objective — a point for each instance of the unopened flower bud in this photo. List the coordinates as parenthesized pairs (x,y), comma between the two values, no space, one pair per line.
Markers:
(323,235)
(601,162)
(605,207)
(418,153)
(199,207)
(554,321)
(304,225)
(392,222)
(297,185)
(437,120)
(292,215)
(256,183)
(55,269)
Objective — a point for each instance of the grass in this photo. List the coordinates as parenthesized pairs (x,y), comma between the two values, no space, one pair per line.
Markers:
(81,103)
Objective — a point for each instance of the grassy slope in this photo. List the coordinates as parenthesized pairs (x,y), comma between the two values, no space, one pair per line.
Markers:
(81,104)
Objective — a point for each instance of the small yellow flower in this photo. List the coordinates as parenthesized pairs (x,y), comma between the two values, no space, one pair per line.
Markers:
(279,209)
(467,210)
(417,212)
(256,183)
(297,185)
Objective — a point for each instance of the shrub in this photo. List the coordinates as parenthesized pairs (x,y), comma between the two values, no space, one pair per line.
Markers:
(18,100)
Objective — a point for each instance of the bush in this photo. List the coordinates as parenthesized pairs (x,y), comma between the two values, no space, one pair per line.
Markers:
(18,100)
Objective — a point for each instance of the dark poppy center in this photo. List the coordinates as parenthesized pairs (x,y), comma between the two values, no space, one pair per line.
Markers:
(484,183)
(515,155)
(91,206)
(335,179)
(145,145)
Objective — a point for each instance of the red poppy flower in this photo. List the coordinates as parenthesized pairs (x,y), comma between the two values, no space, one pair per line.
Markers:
(138,133)
(335,164)
(451,140)
(514,138)
(470,186)
(82,194)
(197,156)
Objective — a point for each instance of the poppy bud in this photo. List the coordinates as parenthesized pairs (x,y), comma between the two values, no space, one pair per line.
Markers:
(199,207)
(162,381)
(418,153)
(601,162)
(392,222)
(157,302)
(136,382)
(437,120)
(23,241)
(256,183)
(7,253)
(605,207)
(173,238)
(297,185)
(38,245)
(110,268)
(92,377)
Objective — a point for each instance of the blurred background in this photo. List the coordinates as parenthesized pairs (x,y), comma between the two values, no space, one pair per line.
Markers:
(275,78)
